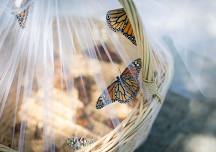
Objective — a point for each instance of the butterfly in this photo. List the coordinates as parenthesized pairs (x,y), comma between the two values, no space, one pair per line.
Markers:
(76,143)
(22,17)
(118,21)
(124,89)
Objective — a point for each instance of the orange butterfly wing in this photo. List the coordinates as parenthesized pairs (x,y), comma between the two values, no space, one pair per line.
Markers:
(124,89)
(116,19)
(107,96)
(130,80)
(119,22)
(133,68)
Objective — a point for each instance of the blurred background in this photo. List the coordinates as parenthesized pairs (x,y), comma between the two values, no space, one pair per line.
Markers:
(187,120)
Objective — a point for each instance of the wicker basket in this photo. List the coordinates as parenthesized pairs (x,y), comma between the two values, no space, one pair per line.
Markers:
(131,132)
(135,128)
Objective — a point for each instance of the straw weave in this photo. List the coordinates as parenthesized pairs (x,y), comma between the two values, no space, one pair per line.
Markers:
(135,128)
(125,137)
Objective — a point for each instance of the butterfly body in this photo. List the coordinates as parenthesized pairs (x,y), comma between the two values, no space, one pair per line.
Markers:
(124,89)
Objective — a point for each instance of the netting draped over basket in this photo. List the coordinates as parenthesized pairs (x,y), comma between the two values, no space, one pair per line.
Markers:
(57,57)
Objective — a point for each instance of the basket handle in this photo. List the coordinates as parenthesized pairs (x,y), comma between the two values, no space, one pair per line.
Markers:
(148,81)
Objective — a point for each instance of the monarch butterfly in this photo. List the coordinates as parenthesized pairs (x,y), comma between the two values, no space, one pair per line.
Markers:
(125,88)
(119,22)
(22,17)
(75,143)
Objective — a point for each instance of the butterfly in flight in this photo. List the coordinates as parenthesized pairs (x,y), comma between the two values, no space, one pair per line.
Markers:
(125,88)
(118,21)
(22,17)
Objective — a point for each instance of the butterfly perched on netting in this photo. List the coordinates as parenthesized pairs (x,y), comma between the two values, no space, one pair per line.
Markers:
(125,88)
(119,22)
(22,17)
(76,143)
